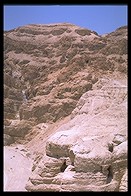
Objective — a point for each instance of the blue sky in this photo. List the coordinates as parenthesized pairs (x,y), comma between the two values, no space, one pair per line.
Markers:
(100,18)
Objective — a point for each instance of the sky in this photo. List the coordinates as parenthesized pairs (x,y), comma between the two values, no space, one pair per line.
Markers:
(100,18)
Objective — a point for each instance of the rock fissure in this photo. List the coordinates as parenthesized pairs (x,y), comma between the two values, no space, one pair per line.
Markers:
(110,174)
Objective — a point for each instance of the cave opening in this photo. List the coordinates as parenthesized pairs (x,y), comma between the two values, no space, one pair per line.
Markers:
(87,61)
(63,167)
(110,174)
(110,147)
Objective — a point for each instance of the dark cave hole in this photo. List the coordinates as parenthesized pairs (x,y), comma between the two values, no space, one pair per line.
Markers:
(110,175)
(87,61)
(110,147)
(63,167)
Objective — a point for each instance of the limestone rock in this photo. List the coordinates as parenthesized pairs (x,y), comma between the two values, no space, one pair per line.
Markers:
(39,58)
(123,184)
(65,97)
(43,111)
(89,144)
(8,140)
(17,129)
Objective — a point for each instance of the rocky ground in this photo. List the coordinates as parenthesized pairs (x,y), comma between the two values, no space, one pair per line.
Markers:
(65,108)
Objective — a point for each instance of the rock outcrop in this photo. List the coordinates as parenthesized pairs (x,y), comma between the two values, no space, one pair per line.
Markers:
(56,71)
(89,153)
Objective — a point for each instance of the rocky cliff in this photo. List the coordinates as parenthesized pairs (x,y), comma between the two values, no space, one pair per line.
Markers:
(65,99)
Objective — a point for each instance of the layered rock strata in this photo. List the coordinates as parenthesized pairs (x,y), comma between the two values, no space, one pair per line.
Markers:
(56,71)
(89,153)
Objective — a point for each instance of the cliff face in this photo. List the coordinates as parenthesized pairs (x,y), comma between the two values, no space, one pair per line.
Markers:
(70,81)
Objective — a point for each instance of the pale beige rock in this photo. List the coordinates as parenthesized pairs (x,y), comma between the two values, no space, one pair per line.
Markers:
(123,184)
(94,141)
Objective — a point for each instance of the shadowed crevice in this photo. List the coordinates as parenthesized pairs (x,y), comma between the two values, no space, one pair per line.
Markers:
(110,174)
(63,167)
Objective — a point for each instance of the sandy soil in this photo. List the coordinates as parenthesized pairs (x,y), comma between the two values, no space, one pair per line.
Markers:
(18,158)
(17,168)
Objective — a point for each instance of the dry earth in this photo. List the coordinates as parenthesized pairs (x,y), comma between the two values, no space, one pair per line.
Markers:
(17,168)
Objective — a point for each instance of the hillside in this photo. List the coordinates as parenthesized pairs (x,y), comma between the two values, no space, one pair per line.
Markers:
(65,101)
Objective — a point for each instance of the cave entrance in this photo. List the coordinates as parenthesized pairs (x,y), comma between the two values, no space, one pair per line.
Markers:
(110,147)
(110,174)
(63,167)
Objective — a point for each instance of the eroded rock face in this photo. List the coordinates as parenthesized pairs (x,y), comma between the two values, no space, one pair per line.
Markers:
(17,130)
(93,145)
(123,184)
(53,65)
(61,70)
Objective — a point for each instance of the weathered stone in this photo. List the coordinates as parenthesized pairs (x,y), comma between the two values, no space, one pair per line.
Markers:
(83,32)
(89,142)
(19,129)
(123,184)
(74,80)
(43,111)
(8,140)
(118,139)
